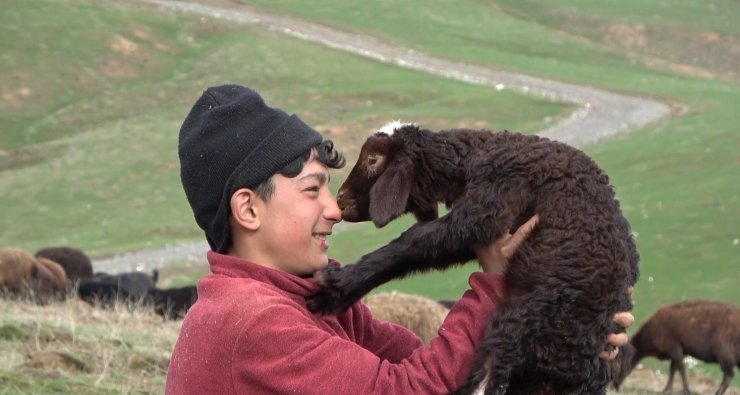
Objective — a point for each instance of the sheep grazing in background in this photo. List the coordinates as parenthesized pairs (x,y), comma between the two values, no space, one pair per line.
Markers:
(22,276)
(105,289)
(706,330)
(172,303)
(421,315)
(77,265)
(59,278)
(565,282)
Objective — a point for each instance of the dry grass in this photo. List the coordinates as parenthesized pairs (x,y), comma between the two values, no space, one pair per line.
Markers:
(73,348)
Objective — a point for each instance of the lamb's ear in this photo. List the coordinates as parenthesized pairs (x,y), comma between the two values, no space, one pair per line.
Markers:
(390,194)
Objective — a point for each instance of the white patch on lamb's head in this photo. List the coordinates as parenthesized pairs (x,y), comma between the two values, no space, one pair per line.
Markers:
(392,126)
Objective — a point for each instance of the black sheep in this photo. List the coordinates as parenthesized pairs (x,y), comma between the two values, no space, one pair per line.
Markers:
(565,282)
(706,330)
(172,303)
(105,289)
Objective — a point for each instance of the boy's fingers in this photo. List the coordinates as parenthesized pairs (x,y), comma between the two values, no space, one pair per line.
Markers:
(609,355)
(527,227)
(617,339)
(624,319)
(518,237)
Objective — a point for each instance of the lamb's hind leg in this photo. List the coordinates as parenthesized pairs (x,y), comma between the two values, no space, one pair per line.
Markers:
(500,352)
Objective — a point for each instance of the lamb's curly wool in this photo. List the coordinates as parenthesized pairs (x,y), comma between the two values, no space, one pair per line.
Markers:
(565,283)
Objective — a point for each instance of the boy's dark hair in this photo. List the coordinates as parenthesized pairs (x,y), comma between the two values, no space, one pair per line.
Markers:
(230,140)
(325,153)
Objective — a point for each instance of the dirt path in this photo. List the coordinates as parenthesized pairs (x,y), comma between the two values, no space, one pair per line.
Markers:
(601,114)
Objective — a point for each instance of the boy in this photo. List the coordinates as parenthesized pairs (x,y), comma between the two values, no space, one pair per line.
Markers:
(257,181)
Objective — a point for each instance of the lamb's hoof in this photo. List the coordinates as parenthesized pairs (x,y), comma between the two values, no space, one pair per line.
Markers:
(332,298)
(498,389)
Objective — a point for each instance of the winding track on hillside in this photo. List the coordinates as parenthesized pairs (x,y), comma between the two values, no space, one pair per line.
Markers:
(600,114)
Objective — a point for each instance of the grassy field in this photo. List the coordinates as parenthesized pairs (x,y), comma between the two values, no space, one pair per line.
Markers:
(93,93)
(72,348)
(90,133)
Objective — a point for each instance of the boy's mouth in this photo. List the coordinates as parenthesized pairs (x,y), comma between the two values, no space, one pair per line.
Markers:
(321,237)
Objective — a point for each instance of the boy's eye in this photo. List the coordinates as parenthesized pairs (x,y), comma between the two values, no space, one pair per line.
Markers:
(313,189)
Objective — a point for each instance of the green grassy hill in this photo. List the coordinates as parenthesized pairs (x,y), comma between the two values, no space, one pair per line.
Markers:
(92,95)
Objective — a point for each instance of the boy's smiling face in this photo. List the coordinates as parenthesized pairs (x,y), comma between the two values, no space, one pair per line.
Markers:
(295,222)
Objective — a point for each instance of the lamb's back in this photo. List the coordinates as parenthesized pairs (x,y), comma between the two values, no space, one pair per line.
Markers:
(583,247)
(582,232)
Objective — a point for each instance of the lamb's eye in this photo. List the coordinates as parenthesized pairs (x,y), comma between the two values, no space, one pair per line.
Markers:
(371,161)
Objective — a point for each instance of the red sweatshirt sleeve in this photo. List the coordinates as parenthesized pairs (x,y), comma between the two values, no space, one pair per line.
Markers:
(281,350)
(389,341)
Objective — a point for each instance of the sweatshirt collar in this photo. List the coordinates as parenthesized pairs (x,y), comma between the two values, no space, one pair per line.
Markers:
(231,266)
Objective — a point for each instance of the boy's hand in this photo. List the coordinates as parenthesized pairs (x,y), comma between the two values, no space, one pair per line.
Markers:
(494,258)
(624,319)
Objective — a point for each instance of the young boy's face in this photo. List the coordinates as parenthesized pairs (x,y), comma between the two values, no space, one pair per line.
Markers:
(296,221)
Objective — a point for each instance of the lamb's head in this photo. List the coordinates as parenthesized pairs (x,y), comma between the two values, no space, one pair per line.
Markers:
(378,186)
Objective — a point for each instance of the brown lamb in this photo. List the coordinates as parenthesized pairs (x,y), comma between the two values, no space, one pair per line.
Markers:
(565,282)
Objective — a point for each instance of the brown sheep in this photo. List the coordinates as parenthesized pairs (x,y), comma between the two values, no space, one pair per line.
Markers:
(59,277)
(15,271)
(77,265)
(565,282)
(421,315)
(706,330)
(22,276)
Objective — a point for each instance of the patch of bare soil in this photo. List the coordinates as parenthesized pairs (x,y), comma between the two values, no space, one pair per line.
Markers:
(700,54)
(626,36)
(132,53)
(17,90)
(122,62)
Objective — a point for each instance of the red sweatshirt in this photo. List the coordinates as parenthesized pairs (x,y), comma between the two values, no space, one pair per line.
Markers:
(251,333)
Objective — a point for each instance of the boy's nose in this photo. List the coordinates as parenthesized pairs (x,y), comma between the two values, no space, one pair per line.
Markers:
(332,211)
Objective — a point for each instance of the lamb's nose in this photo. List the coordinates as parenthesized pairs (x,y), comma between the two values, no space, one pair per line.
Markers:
(339,195)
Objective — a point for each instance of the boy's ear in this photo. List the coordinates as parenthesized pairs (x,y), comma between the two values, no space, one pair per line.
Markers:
(244,208)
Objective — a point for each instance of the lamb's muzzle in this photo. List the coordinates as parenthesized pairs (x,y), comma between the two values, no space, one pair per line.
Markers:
(350,207)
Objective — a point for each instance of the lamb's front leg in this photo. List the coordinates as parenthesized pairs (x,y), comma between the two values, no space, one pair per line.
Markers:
(436,244)
(422,247)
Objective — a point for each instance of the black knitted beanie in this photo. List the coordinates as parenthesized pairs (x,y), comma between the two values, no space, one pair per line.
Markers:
(231,139)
